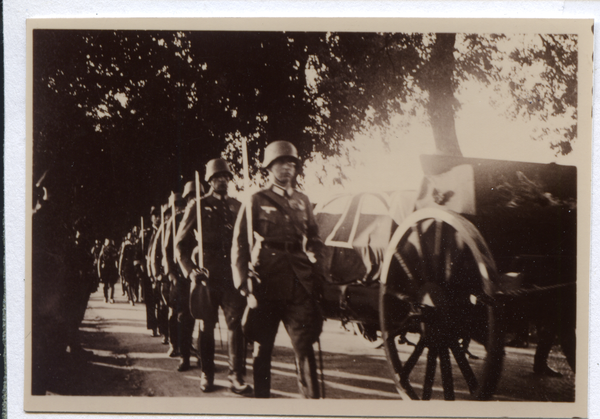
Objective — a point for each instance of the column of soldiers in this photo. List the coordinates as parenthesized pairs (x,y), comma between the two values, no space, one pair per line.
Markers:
(273,265)
(277,266)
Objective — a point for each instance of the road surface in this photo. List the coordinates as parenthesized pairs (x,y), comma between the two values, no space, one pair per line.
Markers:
(125,360)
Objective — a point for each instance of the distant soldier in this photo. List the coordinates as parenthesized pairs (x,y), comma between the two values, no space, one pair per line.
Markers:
(108,269)
(83,285)
(161,282)
(178,299)
(148,288)
(219,212)
(127,267)
(138,264)
(286,248)
(96,253)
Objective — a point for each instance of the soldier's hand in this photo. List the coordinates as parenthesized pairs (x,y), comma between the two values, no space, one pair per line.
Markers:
(243,289)
(247,290)
(173,279)
(199,276)
(252,302)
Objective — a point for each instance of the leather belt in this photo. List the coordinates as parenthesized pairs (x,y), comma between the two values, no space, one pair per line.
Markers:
(283,246)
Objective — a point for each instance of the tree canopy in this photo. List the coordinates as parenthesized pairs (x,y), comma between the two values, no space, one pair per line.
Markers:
(121,118)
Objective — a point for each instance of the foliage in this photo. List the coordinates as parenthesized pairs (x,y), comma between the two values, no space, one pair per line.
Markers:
(554,92)
(125,117)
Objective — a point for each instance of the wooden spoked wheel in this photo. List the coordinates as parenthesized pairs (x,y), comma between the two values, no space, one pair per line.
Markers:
(437,282)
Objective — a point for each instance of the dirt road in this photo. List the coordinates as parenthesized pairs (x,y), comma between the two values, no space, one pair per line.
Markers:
(126,360)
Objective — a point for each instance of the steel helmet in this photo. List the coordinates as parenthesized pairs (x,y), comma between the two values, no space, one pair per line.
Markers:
(216,166)
(279,149)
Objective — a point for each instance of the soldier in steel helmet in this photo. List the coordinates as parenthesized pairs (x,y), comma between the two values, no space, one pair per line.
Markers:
(127,268)
(161,284)
(286,248)
(180,294)
(108,269)
(179,287)
(219,212)
(148,285)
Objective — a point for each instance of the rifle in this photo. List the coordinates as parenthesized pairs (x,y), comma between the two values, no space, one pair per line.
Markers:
(252,303)
(200,303)
(163,208)
(162,226)
(142,232)
(174,222)
(199,224)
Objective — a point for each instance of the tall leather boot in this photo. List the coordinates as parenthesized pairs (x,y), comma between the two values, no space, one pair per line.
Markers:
(173,334)
(237,358)
(262,371)
(206,346)
(308,382)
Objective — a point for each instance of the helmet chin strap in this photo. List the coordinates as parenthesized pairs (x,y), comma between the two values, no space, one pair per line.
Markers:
(278,182)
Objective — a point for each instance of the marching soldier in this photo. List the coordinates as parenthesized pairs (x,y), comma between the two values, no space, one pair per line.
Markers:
(219,212)
(181,323)
(148,288)
(95,251)
(108,270)
(161,280)
(127,267)
(181,289)
(286,248)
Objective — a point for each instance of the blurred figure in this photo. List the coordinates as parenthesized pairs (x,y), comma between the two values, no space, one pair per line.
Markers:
(148,285)
(181,323)
(108,269)
(128,268)
(162,285)
(60,280)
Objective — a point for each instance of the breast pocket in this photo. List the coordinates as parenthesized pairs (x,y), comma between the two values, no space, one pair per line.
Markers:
(267,223)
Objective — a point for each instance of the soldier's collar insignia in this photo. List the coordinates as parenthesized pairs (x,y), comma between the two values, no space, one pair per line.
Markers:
(278,190)
(282,191)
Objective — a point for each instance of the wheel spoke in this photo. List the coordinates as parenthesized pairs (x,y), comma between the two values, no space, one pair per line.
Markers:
(404,266)
(446,369)
(432,355)
(448,264)
(414,232)
(418,243)
(408,367)
(465,367)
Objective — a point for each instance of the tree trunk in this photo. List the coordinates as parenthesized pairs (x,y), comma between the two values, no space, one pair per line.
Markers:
(441,96)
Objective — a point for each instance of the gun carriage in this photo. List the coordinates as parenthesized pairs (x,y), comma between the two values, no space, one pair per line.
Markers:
(453,263)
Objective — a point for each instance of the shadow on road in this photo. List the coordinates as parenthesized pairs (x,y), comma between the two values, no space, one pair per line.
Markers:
(123,359)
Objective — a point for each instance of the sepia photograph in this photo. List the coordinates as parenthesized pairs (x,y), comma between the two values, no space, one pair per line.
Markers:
(332,214)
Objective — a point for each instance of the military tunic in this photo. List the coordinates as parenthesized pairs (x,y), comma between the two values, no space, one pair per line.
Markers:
(285,255)
(218,217)
(181,322)
(161,282)
(147,283)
